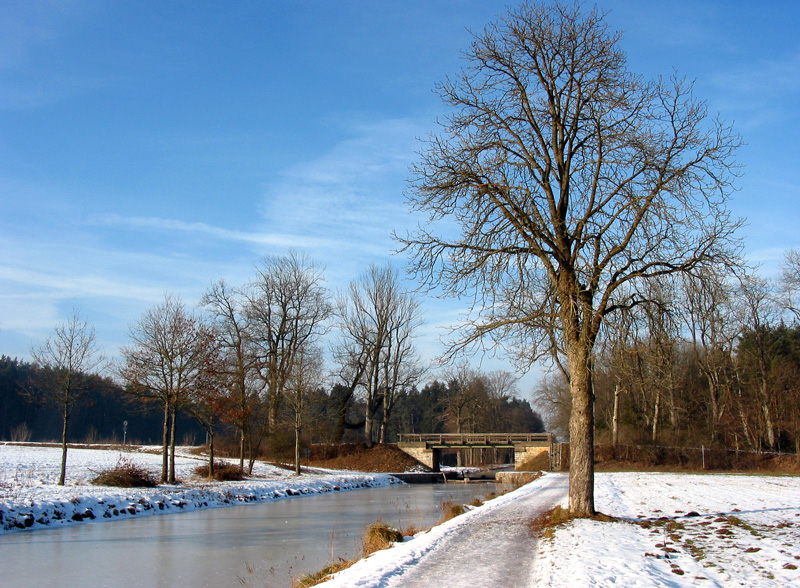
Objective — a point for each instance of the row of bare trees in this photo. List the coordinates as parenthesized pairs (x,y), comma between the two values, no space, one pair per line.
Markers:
(252,356)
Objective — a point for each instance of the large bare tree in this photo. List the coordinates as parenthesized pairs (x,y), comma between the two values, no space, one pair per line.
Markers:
(68,358)
(557,183)
(227,308)
(305,378)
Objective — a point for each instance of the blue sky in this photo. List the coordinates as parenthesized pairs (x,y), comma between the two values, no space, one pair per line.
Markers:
(154,147)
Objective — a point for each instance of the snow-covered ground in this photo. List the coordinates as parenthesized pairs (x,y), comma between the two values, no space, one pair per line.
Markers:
(30,498)
(675,530)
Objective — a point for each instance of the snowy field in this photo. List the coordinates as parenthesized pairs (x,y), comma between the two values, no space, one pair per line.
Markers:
(30,498)
(675,530)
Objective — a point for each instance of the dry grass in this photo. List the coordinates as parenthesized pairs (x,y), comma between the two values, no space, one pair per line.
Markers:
(450,510)
(317,578)
(545,524)
(380,536)
(377,536)
(223,472)
(125,474)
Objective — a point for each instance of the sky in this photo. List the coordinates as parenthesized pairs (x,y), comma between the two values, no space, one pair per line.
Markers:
(152,148)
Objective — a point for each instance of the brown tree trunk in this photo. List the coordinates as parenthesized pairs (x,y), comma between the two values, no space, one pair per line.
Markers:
(165,445)
(581,432)
(211,453)
(615,420)
(62,476)
(297,431)
(172,446)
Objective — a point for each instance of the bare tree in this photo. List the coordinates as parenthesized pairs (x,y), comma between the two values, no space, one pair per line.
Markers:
(713,329)
(68,357)
(790,281)
(306,377)
(164,363)
(759,314)
(288,308)
(227,308)
(378,320)
(569,180)
(211,398)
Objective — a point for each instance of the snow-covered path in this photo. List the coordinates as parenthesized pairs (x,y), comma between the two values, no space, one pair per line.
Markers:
(489,546)
(496,549)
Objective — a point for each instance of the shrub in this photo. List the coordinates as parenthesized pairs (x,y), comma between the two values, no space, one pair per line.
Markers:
(125,474)
(380,536)
(223,472)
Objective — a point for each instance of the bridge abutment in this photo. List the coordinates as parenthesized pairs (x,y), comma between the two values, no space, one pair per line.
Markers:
(430,456)
(531,450)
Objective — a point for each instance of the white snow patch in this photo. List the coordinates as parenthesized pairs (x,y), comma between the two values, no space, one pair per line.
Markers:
(31,499)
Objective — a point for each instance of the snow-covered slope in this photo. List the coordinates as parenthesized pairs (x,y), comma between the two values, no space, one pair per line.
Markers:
(30,498)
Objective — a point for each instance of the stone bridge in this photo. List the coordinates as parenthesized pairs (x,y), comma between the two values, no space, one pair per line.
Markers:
(428,448)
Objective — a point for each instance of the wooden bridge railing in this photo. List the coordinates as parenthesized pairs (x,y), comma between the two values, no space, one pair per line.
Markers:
(472,439)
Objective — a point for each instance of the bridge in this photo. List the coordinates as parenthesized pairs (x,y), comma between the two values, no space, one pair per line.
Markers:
(427,448)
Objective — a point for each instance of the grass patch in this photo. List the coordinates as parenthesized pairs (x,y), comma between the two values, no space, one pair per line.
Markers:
(126,474)
(545,524)
(318,577)
(223,472)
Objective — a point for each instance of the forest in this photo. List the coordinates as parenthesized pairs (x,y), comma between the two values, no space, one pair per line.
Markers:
(700,362)
(477,405)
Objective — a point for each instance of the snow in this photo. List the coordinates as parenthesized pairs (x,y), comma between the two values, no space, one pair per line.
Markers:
(670,530)
(674,530)
(31,499)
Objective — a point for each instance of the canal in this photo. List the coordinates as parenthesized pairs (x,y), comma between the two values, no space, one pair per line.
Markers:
(263,544)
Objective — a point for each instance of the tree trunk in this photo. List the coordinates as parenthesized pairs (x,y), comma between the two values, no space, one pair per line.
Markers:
(615,419)
(581,431)
(62,476)
(656,415)
(769,427)
(297,431)
(211,452)
(165,444)
(172,445)
(241,448)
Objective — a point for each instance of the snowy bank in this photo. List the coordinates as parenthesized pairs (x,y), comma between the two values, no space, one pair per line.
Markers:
(30,498)
(673,530)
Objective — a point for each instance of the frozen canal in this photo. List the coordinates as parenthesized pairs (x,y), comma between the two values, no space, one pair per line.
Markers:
(278,540)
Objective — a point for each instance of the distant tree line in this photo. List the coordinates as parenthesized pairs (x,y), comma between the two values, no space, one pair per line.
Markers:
(438,407)
(99,418)
(709,360)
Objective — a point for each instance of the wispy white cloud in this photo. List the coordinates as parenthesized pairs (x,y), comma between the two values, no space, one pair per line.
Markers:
(760,92)
(353,192)
(205,229)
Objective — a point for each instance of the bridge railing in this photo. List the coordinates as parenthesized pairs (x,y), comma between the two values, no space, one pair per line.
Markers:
(475,438)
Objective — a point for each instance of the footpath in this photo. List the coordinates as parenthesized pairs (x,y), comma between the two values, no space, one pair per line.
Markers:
(492,545)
